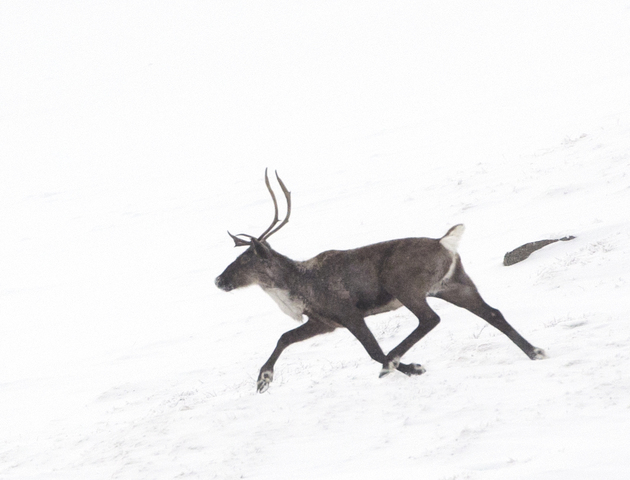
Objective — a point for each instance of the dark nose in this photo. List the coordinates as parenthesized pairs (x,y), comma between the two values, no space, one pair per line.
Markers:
(222,284)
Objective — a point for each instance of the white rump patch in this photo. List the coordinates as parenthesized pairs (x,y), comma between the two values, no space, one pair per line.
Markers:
(451,240)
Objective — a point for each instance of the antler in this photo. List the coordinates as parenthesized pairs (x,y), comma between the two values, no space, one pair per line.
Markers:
(269,232)
(239,242)
(275,206)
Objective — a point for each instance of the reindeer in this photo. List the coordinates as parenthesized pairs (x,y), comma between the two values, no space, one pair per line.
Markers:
(340,288)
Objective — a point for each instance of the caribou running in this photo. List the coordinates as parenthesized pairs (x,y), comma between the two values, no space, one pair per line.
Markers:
(340,288)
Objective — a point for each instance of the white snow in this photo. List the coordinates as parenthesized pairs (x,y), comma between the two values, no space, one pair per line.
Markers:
(134,134)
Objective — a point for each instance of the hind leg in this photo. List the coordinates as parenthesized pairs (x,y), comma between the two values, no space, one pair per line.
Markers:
(427,321)
(361,331)
(461,291)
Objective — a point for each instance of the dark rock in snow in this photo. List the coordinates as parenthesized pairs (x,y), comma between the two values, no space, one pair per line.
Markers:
(521,253)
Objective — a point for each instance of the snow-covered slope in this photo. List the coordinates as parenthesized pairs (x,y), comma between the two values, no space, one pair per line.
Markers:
(133,136)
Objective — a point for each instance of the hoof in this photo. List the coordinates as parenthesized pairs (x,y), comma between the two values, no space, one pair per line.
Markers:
(538,354)
(389,367)
(384,371)
(264,379)
(415,369)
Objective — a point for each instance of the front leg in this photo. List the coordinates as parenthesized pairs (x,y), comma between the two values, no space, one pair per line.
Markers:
(361,331)
(310,329)
(410,369)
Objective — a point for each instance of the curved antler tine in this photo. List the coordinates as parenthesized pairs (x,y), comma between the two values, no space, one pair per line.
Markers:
(239,242)
(287,195)
(275,205)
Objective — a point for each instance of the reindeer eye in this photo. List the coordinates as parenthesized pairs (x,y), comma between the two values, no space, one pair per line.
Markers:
(246,258)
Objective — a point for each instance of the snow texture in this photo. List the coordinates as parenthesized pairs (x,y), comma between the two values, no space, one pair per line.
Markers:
(134,134)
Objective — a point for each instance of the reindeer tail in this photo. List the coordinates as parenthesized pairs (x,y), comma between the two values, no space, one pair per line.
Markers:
(450,241)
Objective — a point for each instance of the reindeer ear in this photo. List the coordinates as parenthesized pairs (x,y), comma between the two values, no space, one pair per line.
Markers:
(260,248)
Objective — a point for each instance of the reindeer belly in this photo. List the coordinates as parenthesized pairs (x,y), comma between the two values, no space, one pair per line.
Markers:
(388,307)
(380,303)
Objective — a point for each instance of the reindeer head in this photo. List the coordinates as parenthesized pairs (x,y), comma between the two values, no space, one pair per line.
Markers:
(255,265)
